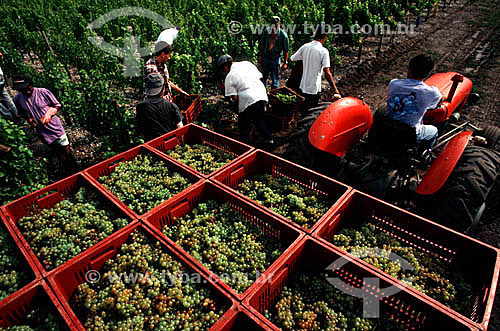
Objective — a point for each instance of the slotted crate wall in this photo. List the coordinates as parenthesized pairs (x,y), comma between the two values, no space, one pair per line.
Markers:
(272,227)
(105,168)
(312,256)
(46,198)
(67,279)
(37,294)
(260,162)
(194,134)
(478,262)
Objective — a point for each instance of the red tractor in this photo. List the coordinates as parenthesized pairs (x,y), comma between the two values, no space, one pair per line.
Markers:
(449,184)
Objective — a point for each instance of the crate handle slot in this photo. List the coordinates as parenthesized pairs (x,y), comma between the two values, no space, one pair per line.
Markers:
(180,210)
(237,174)
(334,219)
(49,200)
(102,257)
(111,164)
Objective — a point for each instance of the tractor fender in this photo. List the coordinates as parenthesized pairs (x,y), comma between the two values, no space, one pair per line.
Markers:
(340,126)
(443,166)
(455,89)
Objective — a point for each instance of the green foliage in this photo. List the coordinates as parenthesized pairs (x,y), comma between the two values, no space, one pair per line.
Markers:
(20,173)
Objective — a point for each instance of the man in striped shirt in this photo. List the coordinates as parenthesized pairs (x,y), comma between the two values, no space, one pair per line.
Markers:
(158,64)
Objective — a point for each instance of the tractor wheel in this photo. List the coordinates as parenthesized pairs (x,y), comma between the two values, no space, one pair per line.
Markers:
(300,149)
(458,203)
(321,106)
(492,135)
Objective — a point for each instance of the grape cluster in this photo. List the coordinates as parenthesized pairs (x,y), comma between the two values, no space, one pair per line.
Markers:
(428,273)
(291,200)
(12,267)
(216,235)
(309,302)
(287,98)
(41,318)
(201,157)
(161,301)
(143,183)
(71,226)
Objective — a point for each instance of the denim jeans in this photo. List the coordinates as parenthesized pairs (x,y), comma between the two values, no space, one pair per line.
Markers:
(7,107)
(271,66)
(428,134)
(253,115)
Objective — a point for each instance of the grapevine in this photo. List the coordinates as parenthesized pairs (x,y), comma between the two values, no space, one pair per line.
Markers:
(427,274)
(309,302)
(12,268)
(143,183)
(217,236)
(201,157)
(71,226)
(157,300)
(291,200)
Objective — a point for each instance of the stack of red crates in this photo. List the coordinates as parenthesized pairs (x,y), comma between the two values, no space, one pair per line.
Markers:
(305,249)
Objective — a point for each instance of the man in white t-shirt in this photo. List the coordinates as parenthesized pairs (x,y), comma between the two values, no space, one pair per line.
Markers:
(316,60)
(409,99)
(243,83)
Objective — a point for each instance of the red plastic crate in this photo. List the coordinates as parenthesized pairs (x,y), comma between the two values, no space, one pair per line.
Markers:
(105,168)
(280,107)
(194,134)
(279,122)
(15,307)
(271,226)
(67,279)
(260,162)
(480,263)
(48,197)
(34,273)
(312,256)
(190,106)
(240,318)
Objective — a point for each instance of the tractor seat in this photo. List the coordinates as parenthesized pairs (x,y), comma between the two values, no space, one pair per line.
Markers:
(392,138)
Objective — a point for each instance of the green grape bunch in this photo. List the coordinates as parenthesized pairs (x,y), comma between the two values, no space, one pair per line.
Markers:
(291,200)
(144,183)
(428,273)
(201,157)
(218,237)
(71,226)
(13,273)
(287,98)
(309,302)
(155,303)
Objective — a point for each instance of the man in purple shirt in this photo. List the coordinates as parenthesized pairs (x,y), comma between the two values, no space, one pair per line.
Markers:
(39,106)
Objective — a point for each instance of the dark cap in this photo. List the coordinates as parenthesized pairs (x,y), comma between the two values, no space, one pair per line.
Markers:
(153,84)
(163,46)
(21,82)
(224,59)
